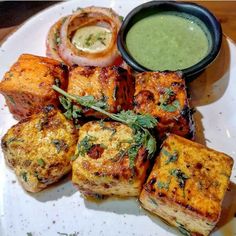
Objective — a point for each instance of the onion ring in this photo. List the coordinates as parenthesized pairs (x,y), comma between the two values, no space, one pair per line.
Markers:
(104,17)
(53,40)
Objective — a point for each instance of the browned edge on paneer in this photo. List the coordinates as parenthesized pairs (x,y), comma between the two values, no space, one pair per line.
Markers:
(27,86)
(164,96)
(187,184)
(39,148)
(102,166)
(112,85)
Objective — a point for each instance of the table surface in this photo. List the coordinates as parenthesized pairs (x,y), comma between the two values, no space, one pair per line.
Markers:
(13,14)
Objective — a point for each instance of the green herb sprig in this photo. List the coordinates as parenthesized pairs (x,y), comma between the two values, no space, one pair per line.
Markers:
(139,123)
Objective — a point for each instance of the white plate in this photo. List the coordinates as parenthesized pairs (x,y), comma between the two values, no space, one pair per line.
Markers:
(61,208)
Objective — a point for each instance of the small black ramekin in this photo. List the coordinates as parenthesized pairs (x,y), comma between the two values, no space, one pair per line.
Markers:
(153,7)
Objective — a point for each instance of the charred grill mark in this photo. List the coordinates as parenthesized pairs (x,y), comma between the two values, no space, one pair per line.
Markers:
(4,145)
(120,70)
(48,108)
(143,97)
(161,194)
(148,188)
(106,185)
(87,71)
(178,84)
(143,154)
(185,113)
(63,67)
(152,181)
(116,176)
(95,151)
(199,166)
(103,76)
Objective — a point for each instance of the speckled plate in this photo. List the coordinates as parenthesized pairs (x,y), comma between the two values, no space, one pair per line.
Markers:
(60,210)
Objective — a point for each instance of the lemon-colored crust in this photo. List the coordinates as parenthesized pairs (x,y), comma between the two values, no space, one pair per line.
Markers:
(109,174)
(39,149)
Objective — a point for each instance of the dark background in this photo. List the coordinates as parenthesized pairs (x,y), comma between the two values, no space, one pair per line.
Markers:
(14,13)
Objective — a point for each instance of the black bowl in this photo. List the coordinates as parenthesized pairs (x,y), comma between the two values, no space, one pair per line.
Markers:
(149,8)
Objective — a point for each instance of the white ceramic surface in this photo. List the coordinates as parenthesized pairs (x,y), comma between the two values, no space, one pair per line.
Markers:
(60,209)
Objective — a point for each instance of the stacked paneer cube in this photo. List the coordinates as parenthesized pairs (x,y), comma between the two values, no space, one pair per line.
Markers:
(188,181)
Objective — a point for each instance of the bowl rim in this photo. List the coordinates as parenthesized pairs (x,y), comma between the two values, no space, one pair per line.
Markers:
(215,32)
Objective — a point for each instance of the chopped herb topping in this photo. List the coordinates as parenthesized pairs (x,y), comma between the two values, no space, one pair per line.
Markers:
(153,201)
(171,107)
(93,38)
(23,174)
(14,139)
(10,74)
(171,157)
(64,19)
(139,123)
(42,122)
(168,101)
(73,112)
(41,162)
(182,230)
(132,153)
(180,176)
(60,145)
(57,38)
(121,18)
(103,146)
(85,145)
(65,234)
(10,98)
(163,185)
(29,234)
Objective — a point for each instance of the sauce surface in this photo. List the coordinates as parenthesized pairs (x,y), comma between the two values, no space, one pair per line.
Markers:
(92,38)
(168,41)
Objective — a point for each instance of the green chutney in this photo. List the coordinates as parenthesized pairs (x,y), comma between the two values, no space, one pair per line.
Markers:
(168,41)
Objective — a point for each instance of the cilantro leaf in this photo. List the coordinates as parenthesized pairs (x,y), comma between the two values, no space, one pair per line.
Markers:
(138,122)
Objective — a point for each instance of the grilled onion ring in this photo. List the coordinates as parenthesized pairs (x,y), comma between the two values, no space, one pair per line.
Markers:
(104,17)
(53,40)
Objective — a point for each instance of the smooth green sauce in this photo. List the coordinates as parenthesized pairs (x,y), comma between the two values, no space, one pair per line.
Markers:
(168,41)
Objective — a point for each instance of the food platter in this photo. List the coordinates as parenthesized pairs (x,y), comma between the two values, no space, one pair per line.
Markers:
(60,210)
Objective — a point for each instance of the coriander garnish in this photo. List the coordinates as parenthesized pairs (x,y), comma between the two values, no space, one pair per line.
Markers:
(163,185)
(23,174)
(171,157)
(168,102)
(182,229)
(11,99)
(41,162)
(180,176)
(60,145)
(84,145)
(170,107)
(139,123)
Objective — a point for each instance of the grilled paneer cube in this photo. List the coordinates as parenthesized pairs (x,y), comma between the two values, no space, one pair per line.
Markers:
(106,162)
(39,148)
(164,96)
(112,85)
(27,87)
(187,185)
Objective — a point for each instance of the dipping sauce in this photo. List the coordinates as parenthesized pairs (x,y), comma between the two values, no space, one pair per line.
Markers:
(92,38)
(168,41)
